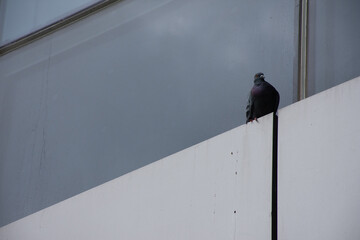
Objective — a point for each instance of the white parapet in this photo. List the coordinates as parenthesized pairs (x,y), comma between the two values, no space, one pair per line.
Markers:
(218,189)
(319,166)
(221,188)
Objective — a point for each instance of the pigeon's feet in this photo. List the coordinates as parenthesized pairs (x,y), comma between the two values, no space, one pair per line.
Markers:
(251,120)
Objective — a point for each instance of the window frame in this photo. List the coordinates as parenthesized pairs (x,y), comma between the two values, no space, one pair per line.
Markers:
(55,26)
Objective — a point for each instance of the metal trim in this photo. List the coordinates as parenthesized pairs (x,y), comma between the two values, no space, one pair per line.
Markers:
(303,50)
(31,37)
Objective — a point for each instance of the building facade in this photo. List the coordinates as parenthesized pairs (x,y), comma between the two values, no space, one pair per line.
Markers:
(140,80)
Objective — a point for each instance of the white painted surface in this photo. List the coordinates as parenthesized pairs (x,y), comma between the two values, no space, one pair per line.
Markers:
(189,195)
(319,166)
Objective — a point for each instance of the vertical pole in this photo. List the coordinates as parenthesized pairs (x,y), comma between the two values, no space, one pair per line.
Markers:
(274,194)
(303,50)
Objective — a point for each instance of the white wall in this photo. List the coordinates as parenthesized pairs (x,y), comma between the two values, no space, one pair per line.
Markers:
(189,195)
(319,166)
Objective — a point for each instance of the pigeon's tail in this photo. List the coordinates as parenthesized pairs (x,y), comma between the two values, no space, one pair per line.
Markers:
(277,101)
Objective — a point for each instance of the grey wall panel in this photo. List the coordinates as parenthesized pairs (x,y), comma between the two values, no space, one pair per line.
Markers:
(130,85)
(334,38)
(21,130)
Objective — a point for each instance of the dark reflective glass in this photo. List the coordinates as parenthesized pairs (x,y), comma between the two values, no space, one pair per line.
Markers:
(334,49)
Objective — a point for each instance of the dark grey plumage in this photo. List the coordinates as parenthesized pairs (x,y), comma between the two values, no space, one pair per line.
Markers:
(263,99)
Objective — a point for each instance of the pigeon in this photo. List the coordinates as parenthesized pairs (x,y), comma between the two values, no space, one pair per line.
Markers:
(263,99)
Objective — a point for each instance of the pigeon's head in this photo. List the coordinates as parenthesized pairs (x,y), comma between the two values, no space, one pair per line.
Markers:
(259,75)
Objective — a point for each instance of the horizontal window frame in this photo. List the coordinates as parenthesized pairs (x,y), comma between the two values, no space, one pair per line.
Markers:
(57,25)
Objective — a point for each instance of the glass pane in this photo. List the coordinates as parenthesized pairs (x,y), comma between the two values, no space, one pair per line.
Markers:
(21,17)
(334,37)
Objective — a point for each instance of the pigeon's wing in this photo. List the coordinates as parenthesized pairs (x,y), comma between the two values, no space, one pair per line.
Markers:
(274,96)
